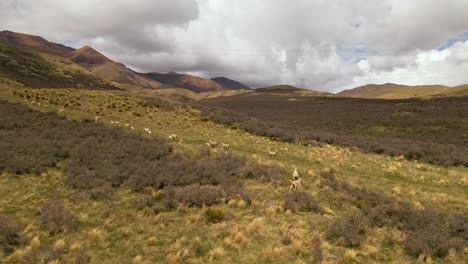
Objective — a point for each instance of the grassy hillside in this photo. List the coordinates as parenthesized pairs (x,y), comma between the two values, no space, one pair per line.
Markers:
(430,130)
(389,218)
(35,69)
(397,91)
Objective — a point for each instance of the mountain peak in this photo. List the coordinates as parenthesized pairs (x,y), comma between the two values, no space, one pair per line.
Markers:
(88,56)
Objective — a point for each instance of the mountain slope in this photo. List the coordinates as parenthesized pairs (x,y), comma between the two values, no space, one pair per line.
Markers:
(230,84)
(193,83)
(397,91)
(36,69)
(34,42)
(87,57)
(110,70)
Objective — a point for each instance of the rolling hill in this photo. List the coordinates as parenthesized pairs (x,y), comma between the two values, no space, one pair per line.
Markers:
(87,57)
(230,84)
(37,69)
(398,91)
(192,83)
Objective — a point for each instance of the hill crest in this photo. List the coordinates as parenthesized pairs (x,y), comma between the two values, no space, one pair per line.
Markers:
(190,82)
(398,91)
(230,84)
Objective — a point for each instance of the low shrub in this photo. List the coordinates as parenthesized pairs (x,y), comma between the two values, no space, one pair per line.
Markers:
(55,218)
(9,234)
(301,201)
(349,230)
(191,195)
(145,201)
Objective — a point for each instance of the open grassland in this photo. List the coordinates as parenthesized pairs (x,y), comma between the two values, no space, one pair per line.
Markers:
(432,130)
(377,209)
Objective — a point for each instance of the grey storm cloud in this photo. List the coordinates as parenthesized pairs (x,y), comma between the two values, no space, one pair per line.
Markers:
(323,45)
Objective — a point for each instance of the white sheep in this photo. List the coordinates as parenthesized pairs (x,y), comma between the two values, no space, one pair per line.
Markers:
(61,110)
(208,144)
(112,122)
(127,125)
(96,118)
(225,146)
(173,137)
(296,181)
(132,128)
(271,153)
(295,185)
(213,144)
(295,174)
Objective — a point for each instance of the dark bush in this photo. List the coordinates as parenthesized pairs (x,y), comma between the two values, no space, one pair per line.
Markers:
(145,201)
(350,230)
(9,234)
(433,128)
(262,172)
(98,158)
(428,233)
(214,215)
(55,218)
(301,201)
(191,195)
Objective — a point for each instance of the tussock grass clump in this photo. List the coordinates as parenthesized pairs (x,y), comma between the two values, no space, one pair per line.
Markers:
(301,201)
(55,218)
(214,215)
(9,234)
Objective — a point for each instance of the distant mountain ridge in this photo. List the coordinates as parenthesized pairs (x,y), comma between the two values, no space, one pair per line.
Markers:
(230,84)
(284,89)
(116,72)
(398,91)
(192,83)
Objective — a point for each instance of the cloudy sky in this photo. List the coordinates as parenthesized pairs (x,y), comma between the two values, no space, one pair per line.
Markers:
(326,45)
